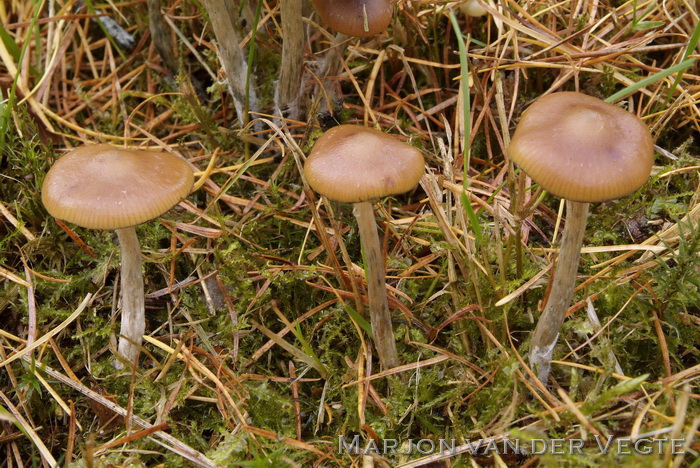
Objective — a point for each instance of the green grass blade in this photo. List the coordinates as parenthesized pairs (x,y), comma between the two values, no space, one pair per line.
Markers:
(5,114)
(291,349)
(10,43)
(692,43)
(466,113)
(9,105)
(361,321)
(651,80)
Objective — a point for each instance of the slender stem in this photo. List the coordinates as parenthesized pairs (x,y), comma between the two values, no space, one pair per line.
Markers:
(251,57)
(330,66)
(133,308)
(562,292)
(331,62)
(224,23)
(160,35)
(288,91)
(382,330)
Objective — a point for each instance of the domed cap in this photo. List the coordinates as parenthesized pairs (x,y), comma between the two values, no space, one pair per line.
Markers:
(103,187)
(581,148)
(352,164)
(348,16)
(472,8)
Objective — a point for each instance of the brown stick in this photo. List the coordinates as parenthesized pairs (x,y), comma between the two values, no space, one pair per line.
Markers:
(547,331)
(160,36)
(295,398)
(380,317)
(132,437)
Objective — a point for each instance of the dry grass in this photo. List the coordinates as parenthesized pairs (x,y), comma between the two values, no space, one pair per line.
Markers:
(257,352)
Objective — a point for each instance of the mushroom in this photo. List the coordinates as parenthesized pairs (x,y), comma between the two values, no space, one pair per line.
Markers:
(583,150)
(354,164)
(361,18)
(104,187)
(472,8)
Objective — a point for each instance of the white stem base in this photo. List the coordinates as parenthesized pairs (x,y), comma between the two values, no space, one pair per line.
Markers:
(547,330)
(132,294)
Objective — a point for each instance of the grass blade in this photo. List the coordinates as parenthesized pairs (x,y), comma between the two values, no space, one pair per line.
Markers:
(651,80)
(466,119)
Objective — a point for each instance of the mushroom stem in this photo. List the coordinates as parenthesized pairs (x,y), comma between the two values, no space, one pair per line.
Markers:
(225,24)
(288,92)
(562,291)
(329,66)
(133,308)
(382,331)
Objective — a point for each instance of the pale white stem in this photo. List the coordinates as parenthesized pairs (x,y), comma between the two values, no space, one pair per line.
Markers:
(133,308)
(31,308)
(380,317)
(547,331)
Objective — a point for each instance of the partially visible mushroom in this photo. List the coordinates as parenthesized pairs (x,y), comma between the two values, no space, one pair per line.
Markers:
(103,187)
(472,8)
(360,18)
(584,150)
(354,164)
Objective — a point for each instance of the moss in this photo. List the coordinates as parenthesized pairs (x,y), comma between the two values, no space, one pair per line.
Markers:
(259,259)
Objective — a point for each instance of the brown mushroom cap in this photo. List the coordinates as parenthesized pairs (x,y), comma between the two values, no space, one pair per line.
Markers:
(581,148)
(348,16)
(103,187)
(352,164)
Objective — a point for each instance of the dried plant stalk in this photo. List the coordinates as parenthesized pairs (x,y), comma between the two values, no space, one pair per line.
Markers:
(288,93)
(329,66)
(160,37)
(225,26)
